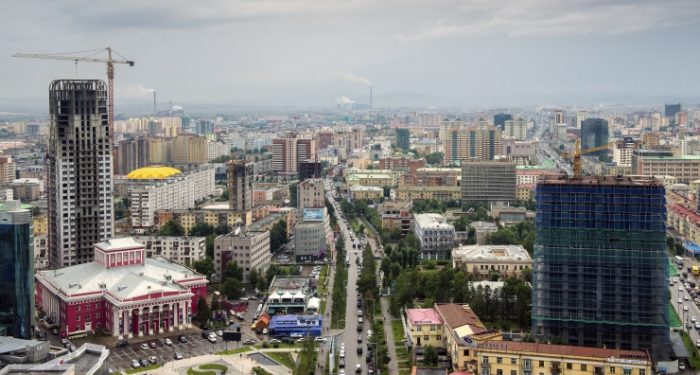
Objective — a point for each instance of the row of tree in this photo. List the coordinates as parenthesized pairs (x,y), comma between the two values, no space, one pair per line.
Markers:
(340,280)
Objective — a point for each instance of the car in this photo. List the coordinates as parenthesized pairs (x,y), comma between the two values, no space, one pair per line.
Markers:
(359,328)
(249,342)
(685,307)
(275,341)
(320,339)
(341,371)
(143,346)
(135,363)
(65,342)
(368,357)
(177,355)
(153,344)
(122,343)
(681,365)
(341,354)
(296,335)
(219,332)
(359,339)
(697,325)
(143,362)
(182,339)
(359,350)
(211,339)
(693,319)
(168,341)
(300,340)
(685,297)
(153,359)
(359,312)
(697,343)
(680,300)
(358,368)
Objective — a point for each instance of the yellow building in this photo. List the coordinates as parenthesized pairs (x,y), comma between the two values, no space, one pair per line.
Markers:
(524,192)
(439,193)
(525,358)
(462,332)
(40,224)
(366,192)
(424,327)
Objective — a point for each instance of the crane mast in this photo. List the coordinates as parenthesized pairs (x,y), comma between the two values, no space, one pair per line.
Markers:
(109,61)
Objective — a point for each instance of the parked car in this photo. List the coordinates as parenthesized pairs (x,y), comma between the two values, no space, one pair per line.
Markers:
(181,339)
(359,349)
(153,359)
(122,343)
(177,355)
(249,342)
(358,368)
(320,339)
(211,339)
(143,346)
(143,362)
(168,341)
(153,344)
(135,363)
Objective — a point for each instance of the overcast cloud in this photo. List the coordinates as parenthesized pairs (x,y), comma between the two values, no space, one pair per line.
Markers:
(319,53)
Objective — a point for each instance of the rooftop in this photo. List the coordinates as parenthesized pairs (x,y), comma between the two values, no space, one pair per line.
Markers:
(456,316)
(601,180)
(153,173)
(156,275)
(365,188)
(432,221)
(422,316)
(623,356)
(123,243)
(490,253)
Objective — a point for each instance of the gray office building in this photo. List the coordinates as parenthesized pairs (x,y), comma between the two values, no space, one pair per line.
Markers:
(488,181)
(594,133)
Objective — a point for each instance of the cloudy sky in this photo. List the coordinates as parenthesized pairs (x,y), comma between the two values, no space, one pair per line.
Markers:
(316,52)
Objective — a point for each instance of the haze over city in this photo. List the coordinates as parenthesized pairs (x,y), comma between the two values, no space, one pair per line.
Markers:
(308,53)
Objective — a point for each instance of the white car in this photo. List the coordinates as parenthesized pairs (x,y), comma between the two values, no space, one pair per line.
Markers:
(680,300)
(135,363)
(692,319)
(697,343)
(685,307)
(685,297)
(680,288)
(168,342)
(320,339)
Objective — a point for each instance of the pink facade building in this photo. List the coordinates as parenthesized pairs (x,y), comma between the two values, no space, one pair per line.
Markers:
(121,293)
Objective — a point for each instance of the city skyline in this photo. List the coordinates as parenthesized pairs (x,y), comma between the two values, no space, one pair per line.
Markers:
(313,54)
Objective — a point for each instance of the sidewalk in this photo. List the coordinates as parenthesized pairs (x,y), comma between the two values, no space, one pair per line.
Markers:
(237,363)
(390,345)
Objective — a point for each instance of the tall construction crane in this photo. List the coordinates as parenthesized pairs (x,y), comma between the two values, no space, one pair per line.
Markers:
(110,61)
(575,155)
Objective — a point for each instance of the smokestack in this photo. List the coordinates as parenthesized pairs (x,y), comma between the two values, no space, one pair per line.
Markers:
(155,111)
(370,96)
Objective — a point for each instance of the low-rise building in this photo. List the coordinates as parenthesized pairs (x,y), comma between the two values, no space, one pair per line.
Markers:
(436,236)
(214,215)
(438,193)
(27,189)
(463,331)
(289,295)
(366,192)
(304,325)
(396,215)
(507,260)
(424,328)
(433,177)
(482,229)
(508,357)
(179,249)
(122,293)
(250,250)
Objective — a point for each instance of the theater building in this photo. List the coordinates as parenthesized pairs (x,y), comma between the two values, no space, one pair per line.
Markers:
(121,293)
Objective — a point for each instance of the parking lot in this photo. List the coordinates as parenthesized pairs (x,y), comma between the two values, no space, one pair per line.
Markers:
(120,358)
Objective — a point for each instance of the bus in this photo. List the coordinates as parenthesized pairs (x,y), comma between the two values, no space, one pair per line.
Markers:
(696,270)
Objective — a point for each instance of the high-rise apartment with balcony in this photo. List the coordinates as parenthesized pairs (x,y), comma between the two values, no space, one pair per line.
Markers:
(600,266)
(470,142)
(79,171)
(240,185)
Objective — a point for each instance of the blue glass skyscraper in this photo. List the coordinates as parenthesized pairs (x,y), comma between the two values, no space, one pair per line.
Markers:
(16,271)
(600,266)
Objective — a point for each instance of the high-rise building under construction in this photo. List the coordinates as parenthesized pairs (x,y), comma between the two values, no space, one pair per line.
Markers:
(600,265)
(79,177)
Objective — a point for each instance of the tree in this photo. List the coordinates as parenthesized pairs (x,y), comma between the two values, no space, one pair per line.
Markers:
(233,288)
(201,229)
(172,228)
(434,158)
(293,199)
(430,356)
(205,267)
(203,313)
(233,271)
(222,228)
(253,277)
(278,235)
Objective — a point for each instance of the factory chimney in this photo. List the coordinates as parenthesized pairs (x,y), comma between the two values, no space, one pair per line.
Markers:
(370,96)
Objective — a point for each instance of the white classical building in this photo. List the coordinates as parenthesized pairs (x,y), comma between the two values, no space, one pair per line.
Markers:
(121,293)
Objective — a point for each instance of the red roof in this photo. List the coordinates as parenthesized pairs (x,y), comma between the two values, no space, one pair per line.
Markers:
(422,316)
(687,213)
(569,350)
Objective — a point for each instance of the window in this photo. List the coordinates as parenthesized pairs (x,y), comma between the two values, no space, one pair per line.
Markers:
(569,366)
(485,360)
(465,352)
(513,361)
(426,338)
(627,371)
(499,360)
(77,317)
(87,306)
(541,363)
(612,369)
(77,308)
(642,372)
(513,372)
(499,372)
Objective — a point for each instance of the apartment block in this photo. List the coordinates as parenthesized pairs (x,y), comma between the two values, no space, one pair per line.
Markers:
(250,250)
(488,181)
(181,250)
(436,236)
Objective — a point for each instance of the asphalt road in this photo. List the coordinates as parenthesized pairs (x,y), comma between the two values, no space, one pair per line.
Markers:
(693,310)
(350,335)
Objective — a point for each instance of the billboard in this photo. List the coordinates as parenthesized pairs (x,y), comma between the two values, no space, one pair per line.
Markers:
(314,214)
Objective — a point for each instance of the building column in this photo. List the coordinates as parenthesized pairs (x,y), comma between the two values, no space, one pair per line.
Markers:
(149,322)
(171,311)
(115,321)
(140,315)
(127,323)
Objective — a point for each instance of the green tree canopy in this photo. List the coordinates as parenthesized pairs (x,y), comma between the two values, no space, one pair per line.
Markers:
(172,228)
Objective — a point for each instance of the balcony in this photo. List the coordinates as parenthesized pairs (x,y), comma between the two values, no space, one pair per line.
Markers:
(555,369)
